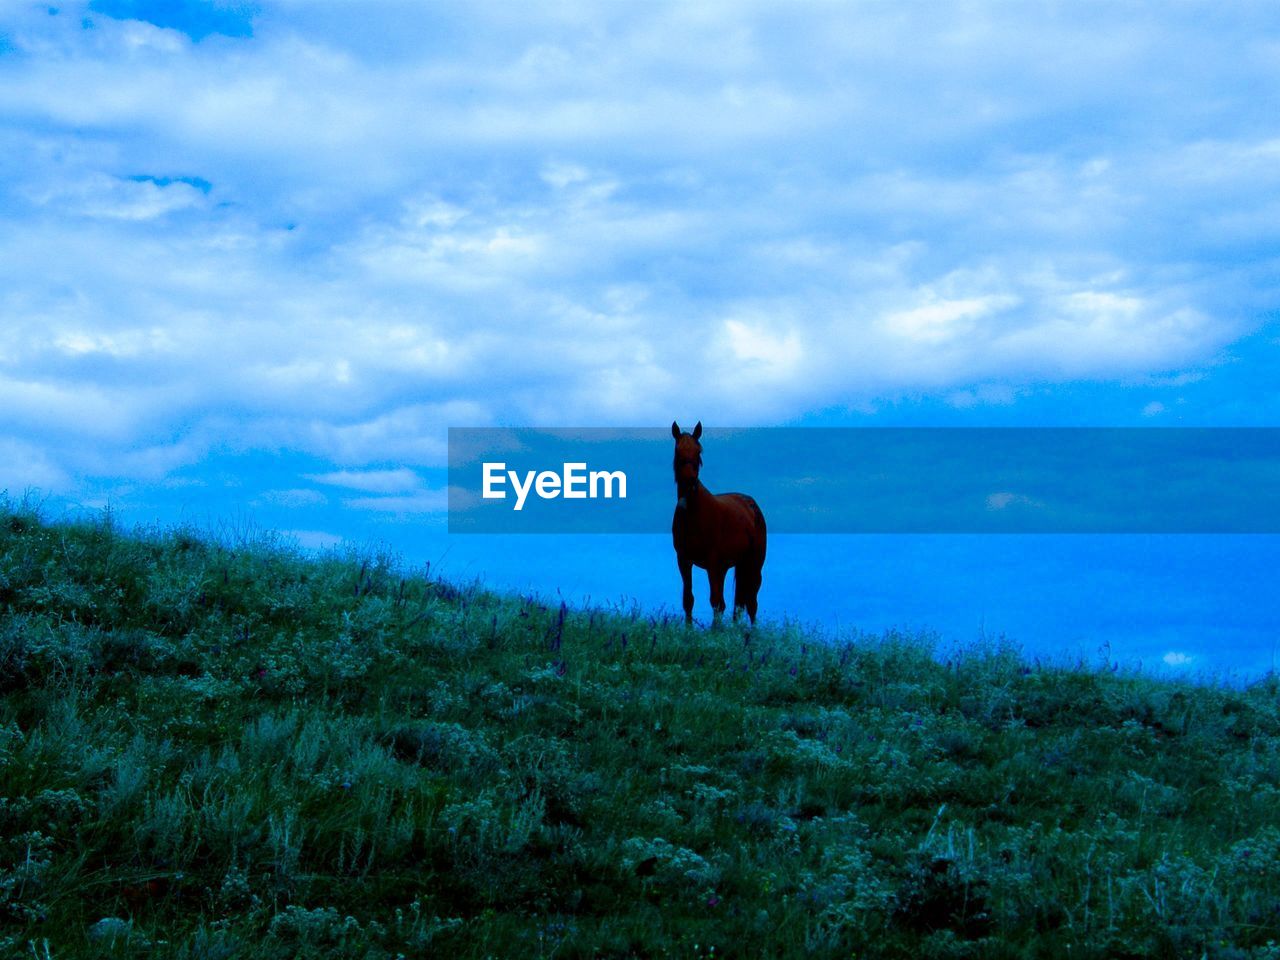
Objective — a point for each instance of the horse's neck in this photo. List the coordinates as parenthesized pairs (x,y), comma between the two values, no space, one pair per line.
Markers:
(703,500)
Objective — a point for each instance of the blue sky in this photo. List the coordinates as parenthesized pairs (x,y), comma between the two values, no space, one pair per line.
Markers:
(256,258)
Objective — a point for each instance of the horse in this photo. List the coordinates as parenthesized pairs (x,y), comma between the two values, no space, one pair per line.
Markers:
(714,532)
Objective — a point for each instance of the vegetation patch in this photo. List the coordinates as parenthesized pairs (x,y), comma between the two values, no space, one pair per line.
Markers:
(232,750)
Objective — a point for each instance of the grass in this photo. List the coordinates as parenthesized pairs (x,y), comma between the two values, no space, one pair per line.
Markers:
(230,750)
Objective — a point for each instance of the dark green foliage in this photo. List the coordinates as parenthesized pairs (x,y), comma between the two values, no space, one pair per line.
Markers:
(228,750)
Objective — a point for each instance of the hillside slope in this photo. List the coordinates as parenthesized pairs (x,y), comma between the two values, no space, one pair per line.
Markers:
(214,750)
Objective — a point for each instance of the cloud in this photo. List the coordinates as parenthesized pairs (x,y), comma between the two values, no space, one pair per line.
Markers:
(942,320)
(1004,499)
(114,198)
(26,466)
(1175,658)
(756,346)
(401,480)
(336,231)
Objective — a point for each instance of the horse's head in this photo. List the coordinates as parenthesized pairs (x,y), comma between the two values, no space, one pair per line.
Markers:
(688,460)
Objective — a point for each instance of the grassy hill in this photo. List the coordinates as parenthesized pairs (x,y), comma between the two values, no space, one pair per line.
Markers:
(218,750)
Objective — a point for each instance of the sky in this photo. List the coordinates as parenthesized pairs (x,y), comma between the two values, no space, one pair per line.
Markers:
(257,258)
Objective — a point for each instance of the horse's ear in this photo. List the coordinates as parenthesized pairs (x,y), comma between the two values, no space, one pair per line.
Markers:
(675,429)
(697,431)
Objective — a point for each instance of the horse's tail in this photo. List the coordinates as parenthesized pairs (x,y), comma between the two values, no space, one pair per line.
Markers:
(760,525)
(754,567)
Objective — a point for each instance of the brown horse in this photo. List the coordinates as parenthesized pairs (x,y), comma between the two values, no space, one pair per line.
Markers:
(715,533)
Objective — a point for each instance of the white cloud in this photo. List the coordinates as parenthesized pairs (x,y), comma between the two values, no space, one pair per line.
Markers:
(940,320)
(113,198)
(50,406)
(1004,499)
(114,344)
(1175,658)
(356,228)
(413,434)
(778,354)
(27,466)
(561,175)
(401,480)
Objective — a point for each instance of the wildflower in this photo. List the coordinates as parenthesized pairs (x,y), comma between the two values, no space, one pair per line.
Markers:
(713,901)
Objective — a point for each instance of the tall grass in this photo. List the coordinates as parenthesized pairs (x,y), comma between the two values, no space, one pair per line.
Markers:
(217,749)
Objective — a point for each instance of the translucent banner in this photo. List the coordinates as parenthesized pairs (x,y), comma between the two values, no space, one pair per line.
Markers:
(874,480)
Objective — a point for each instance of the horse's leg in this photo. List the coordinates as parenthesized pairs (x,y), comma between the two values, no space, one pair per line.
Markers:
(752,579)
(715,576)
(741,582)
(686,575)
